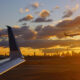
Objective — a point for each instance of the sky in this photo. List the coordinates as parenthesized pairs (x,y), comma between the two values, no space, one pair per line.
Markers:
(41,24)
(10,10)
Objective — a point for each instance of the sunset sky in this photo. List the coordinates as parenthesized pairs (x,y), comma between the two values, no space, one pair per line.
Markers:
(10,9)
(41,24)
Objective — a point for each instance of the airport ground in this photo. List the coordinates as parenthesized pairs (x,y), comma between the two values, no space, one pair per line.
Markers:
(46,68)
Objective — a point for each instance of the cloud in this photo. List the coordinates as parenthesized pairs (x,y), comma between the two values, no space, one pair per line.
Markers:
(24,24)
(52,43)
(39,28)
(21,10)
(43,43)
(16,26)
(69,12)
(27,10)
(46,43)
(35,5)
(39,38)
(64,26)
(44,13)
(70,26)
(67,26)
(64,23)
(76,7)
(21,32)
(50,31)
(27,18)
(57,7)
(29,34)
(69,23)
(46,32)
(42,20)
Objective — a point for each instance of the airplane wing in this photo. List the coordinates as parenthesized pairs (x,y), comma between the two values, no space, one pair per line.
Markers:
(6,66)
(15,58)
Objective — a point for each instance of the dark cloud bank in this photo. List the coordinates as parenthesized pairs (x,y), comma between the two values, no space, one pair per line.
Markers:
(39,38)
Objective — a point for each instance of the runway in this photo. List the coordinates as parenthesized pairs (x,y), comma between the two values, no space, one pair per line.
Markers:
(69,69)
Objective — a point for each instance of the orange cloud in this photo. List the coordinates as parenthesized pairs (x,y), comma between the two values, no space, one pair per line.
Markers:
(35,5)
(16,26)
(44,13)
(27,18)
(27,10)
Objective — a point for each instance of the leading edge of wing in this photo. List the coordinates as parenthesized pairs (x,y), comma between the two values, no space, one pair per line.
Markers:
(10,64)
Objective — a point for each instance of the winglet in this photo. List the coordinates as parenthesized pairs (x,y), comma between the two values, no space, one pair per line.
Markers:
(14,49)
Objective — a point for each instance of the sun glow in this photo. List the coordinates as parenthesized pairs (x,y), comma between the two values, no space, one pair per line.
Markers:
(57,50)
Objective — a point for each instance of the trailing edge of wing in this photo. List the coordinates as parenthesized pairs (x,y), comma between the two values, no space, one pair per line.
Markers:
(10,64)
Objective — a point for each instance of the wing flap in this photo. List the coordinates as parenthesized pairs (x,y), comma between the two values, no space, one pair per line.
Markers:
(10,64)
